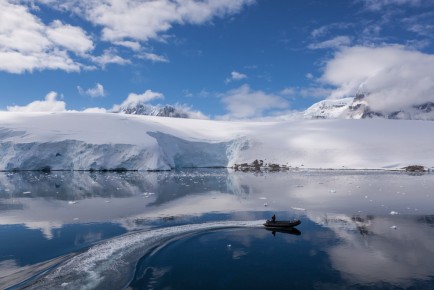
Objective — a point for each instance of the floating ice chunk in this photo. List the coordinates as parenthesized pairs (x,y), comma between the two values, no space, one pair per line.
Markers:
(76,219)
(229,245)
(332,191)
(394,212)
(107,201)
(394,227)
(265,204)
(26,192)
(72,202)
(299,185)
(262,197)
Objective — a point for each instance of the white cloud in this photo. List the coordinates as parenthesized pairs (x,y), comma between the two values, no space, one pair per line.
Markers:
(95,92)
(135,99)
(144,20)
(134,45)
(154,57)
(27,44)
(245,103)
(328,28)
(307,92)
(109,56)
(72,38)
(235,76)
(335,42)
(95,110)
(395,77)
(187,110)
(50,104)
(377,5)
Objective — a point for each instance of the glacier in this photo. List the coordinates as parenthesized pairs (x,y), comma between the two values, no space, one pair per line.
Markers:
(109,141)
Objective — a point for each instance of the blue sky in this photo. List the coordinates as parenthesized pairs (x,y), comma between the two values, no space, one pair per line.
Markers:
(225,58)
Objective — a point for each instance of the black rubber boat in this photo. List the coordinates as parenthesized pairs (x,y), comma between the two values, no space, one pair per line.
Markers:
(281,224)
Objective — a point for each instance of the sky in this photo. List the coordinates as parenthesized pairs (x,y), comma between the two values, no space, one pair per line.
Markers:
(222,59)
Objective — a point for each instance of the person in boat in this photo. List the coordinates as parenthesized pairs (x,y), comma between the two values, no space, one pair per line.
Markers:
(273,218)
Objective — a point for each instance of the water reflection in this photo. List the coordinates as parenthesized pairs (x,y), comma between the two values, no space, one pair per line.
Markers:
(360,223)
(333,254)
(376,249)
(292,231)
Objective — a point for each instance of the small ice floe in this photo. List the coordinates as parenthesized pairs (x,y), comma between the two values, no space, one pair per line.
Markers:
(76,219)
(366,196)
(332,190)
(394,227)
(262,197)
(394,212)
(299,185)
(107,201)
(72,202)
(229,245)
(265,204)
(298,208)
(26,192)
(64,284)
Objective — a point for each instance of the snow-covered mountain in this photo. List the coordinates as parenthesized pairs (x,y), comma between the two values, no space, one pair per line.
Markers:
(328,109)
(358,108)
(95,141)
(158,110)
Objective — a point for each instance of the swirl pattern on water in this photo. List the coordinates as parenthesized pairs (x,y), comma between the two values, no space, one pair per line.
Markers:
(111,264)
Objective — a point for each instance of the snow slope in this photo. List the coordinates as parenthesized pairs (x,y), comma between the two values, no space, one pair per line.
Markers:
(84,141)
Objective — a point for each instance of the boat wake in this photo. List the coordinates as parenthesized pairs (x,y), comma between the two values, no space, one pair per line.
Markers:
(111,264)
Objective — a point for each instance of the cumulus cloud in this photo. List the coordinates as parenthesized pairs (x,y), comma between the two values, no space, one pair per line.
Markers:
(144,20)
(123,20)
(95,110)
(27,44)
(134,99)
(95,92)
(50,104)
(72,38)
(109,56)
(246,103)
(394,76)
(235,76)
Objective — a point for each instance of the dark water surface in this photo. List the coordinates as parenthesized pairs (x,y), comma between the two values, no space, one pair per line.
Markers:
(202,229)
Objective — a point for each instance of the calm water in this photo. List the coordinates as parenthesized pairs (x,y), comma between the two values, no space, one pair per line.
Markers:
(202,229)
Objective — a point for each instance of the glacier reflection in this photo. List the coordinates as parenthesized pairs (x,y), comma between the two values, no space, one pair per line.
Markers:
(382,220)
